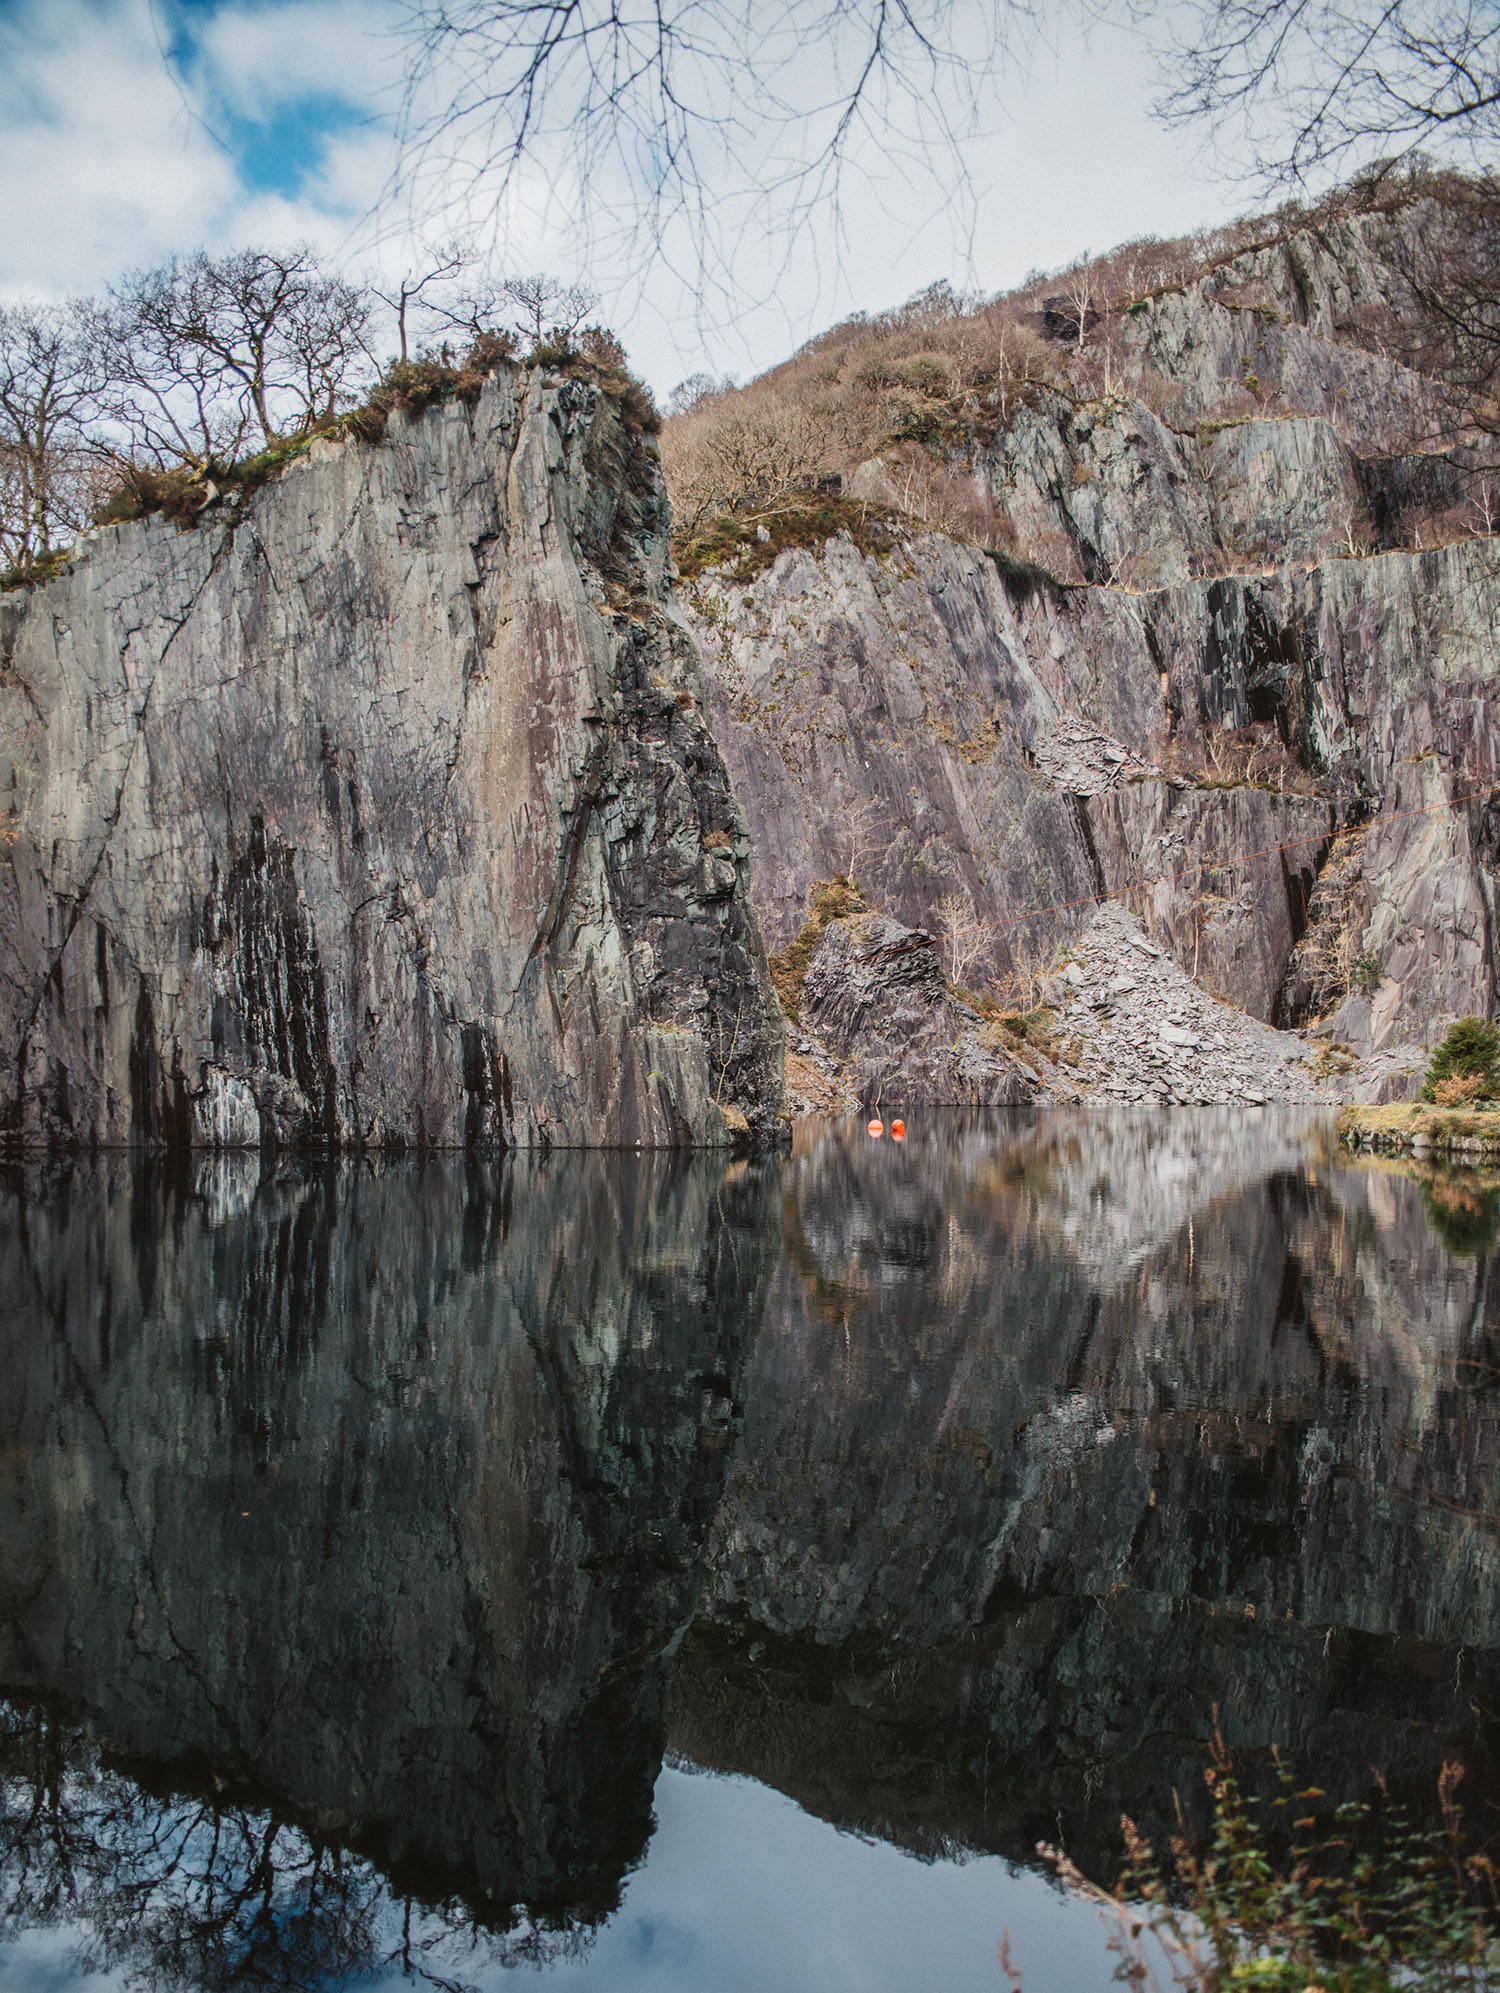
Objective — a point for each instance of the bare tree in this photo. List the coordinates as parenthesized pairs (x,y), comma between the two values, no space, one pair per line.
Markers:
(444,263)
(862,828)
(964,939)
(1078,290)
(50,379)
(1316,84)
(747,452)
(468,299)
(1032,952)
(546,304)
(678,104)
(205,352)
(697,389)
(668,105)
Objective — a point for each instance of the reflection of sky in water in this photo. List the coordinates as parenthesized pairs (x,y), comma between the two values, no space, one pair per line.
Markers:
(743,1892)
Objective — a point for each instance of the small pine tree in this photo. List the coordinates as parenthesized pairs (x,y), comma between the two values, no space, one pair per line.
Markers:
(1468,1052)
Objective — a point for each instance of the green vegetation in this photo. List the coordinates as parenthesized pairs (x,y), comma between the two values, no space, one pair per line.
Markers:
(1400,1125)
(30,569)
(1304,1896)
(1463,1066)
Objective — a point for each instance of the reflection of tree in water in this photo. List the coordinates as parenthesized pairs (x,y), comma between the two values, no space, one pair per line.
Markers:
(212,1895)
(1465,1216)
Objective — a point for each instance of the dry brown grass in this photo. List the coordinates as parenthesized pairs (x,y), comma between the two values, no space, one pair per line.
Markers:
(1236,758)
(923,390)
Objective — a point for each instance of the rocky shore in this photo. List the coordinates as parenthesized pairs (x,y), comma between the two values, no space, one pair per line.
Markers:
(1457,1134)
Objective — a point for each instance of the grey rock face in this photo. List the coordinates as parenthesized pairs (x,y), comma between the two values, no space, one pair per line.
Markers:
(876,996)
(1238,696)
(1022,750)
(381,813)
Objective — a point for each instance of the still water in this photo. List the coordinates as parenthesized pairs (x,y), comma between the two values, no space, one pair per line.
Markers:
(659,1574)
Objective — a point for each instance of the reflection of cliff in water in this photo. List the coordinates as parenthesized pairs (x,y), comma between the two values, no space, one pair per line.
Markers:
(378,1494)
(1056,1443)
(365,1510)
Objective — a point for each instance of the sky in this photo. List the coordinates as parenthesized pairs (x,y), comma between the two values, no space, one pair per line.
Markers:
(741,1891)
(134,129)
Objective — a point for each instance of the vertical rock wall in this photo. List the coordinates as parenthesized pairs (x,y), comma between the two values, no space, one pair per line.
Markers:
(380,811)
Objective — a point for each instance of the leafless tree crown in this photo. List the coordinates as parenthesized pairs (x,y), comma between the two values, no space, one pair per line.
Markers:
(1317,85)
(689,111)
(206,352)
(50,382)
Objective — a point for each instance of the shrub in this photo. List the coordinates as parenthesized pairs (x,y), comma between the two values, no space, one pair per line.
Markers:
(1458,1090)
(1343,1899)
(1364,977)
(1468,1052)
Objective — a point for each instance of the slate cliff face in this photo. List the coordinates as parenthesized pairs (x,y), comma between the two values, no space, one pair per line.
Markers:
(1259,662)
(380,812)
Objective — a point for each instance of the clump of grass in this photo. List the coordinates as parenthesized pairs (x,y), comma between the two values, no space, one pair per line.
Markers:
(184,490)
(1032,1030)
(828,900)
(732,542)
(596,355)
(1334,1060)
(33,569)
(1304,1897)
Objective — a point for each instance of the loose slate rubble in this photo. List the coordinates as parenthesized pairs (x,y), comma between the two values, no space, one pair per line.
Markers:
(881,1028)
(1135,1027)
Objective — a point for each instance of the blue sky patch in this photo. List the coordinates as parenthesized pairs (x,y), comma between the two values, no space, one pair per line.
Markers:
(278,154)
(274,154)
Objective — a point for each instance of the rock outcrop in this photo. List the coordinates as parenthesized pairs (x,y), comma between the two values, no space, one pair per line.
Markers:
(1264,719)
(876,998)
(1118,1021)
(380,811)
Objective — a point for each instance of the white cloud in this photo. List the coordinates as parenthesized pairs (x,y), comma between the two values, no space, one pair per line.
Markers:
(106,165)
(102,162)
(256,57)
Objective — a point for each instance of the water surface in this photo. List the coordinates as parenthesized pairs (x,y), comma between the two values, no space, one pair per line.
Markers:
(664,1574)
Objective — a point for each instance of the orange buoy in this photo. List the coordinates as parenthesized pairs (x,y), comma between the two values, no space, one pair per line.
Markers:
(898,1131)
(876,1128)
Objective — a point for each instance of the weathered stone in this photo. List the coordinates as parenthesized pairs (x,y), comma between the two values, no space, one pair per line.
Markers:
(381,812)
(1240,701)
(875,994)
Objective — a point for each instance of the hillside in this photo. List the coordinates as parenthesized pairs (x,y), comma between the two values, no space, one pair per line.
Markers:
(1172,577)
